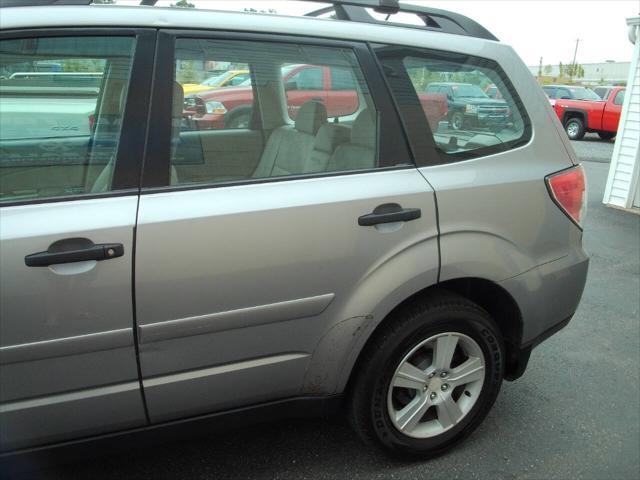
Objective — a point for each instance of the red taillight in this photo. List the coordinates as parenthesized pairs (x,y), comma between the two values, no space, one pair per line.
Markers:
(568,189)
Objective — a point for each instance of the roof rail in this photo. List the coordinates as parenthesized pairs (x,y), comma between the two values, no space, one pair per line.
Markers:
(41,3)
(434,19)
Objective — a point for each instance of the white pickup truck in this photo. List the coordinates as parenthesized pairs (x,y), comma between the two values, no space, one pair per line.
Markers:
(30,102)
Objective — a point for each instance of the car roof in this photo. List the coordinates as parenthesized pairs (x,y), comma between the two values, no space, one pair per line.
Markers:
(202,19)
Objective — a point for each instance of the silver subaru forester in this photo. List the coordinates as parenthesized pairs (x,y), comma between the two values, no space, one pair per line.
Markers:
(205,213)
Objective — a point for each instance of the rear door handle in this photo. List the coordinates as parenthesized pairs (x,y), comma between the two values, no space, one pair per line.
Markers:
(389,213)
(73,250)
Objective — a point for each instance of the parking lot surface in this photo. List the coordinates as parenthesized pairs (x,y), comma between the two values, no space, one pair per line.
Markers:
(574,414)
(593,149)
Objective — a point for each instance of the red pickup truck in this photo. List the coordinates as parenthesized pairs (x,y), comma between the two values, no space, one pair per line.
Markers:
(230,107)
(600,116)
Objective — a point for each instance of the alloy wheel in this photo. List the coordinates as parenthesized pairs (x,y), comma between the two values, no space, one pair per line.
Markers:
(436,385)
(572,129)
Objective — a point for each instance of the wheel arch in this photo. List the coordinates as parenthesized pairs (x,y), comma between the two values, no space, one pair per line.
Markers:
(499,303)
(570,113)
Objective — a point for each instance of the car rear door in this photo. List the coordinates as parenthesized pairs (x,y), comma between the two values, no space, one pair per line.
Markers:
(68,202)
(238,282)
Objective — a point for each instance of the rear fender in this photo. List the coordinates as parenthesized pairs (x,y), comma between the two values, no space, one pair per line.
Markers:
(492,258)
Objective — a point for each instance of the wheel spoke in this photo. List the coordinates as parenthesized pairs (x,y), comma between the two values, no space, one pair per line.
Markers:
(451,384)
(410,376)
(410,415)
(445,346)
(448,411)
(470,371)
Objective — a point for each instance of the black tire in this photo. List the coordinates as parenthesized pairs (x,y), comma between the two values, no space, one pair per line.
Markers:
(607,135)
(238,118)
(457,121)
(574,128)
(443,312)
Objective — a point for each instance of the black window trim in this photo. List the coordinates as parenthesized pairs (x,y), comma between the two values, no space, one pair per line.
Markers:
(393,149)
(417,127)
(131,145)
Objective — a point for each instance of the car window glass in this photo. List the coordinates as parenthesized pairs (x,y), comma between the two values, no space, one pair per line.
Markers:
(280,121)
(466,120)
(61,107)
(601,92)
(342,79)
(581,93)
(551,92)
(208,102)
(306,78)
(563,93)
(239,80)
(619,99)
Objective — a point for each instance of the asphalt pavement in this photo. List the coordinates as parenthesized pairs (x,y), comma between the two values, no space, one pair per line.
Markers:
(593,149)
(573,415)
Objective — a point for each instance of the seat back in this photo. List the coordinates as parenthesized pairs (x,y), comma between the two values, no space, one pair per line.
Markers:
(360,152)
(329,137)
(288,149)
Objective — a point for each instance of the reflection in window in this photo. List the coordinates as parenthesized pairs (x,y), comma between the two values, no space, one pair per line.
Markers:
(466,102)
(61,107)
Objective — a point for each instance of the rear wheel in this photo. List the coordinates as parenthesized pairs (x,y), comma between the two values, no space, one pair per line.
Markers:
(429,378)
(606,135)
(574,128)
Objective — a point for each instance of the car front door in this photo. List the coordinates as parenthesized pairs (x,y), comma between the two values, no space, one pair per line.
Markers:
(68,201)
(238,282)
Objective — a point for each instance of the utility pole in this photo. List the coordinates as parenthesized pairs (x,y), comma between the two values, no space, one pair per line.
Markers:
(572,71)
(540,68)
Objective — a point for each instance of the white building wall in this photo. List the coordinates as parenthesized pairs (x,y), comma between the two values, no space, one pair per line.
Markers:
(622,183)
(594,73)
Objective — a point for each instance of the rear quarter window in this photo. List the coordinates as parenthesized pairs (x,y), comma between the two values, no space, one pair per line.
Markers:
(462,119)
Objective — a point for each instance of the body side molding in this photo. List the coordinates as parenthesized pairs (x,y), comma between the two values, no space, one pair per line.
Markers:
(232,319)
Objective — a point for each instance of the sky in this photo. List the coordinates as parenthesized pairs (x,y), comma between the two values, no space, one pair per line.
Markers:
(540,28)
